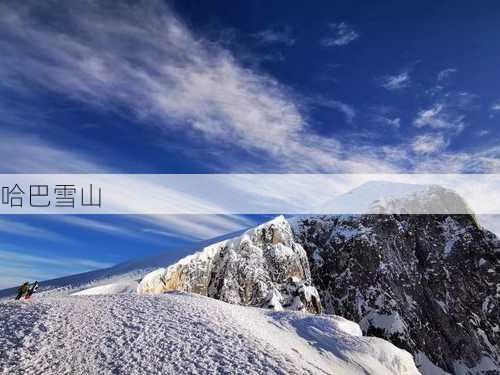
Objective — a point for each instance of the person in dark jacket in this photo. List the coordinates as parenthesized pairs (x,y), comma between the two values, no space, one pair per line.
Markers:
(32,290)
(22,290)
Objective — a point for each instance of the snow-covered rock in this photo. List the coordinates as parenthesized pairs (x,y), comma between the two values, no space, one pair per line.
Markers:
(428,283)
(262,267)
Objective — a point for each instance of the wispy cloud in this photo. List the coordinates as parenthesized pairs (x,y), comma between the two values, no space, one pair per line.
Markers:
(496,106)
(483,132)
(445,73)
(396,82)
(484,161)
(392,122)
(447,112)
(347,110)
(94,225)
(25,153)
(17,267)
(275,35)
(165,233)
(195,226)
(186,227)
(386,116)
(340,34)
(437,117)
(168,76)
(141,59)
(17,228)
(428,143)
(38,156)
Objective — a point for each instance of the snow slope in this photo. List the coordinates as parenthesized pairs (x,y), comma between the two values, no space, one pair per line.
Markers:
(120,287)
(181,333)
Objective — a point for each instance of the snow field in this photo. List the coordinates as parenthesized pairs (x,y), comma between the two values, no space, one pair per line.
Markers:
(182,334)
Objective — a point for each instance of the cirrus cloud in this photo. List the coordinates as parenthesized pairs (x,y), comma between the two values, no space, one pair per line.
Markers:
(340,34)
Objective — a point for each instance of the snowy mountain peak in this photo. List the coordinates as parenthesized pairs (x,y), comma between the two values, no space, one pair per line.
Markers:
(382,197)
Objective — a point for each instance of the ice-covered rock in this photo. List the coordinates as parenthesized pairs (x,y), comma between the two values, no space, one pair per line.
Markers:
(263,267)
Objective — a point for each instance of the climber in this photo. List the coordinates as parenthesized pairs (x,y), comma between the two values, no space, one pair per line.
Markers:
(22,290)
(32,290)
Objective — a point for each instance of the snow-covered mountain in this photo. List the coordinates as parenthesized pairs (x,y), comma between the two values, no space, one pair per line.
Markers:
(428,283)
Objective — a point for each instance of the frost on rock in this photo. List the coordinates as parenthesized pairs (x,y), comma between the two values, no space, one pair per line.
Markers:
(262,267)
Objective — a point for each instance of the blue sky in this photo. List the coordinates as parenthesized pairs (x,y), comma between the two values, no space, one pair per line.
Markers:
(249,87)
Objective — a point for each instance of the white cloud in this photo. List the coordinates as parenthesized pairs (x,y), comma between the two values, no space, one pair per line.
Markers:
(483,132)
(391,122)
(428,143)
(187,227)
(165,233)
(168,76)
(275,36)
(397,81)
(142,59)
(445,73)
(385,115)
(347,110)
(195,226)
(439,116)
(17,267)
(26,154)
(27,230)
(95,225)
(340,34)
(482,161)
(495,106)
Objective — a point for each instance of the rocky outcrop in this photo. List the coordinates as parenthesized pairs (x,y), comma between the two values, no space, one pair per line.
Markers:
(263,267)
(428,283)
